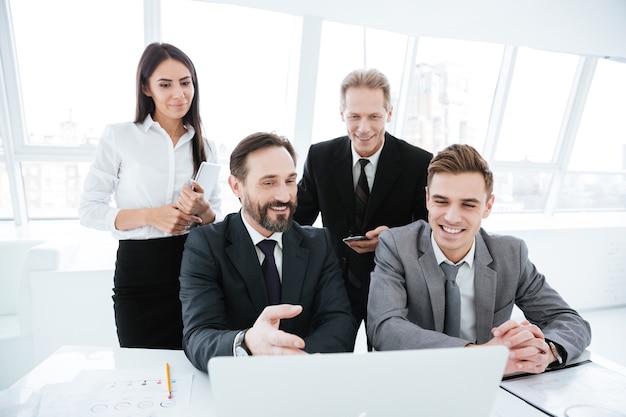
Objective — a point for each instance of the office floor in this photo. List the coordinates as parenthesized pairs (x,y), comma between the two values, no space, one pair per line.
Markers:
(608,334)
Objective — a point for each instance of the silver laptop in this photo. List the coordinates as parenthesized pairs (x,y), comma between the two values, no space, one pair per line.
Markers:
(429,382)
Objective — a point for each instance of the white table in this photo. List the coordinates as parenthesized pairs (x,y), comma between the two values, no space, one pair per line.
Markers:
(67,362)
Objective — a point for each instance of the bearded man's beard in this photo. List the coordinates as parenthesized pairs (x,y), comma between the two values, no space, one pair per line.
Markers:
(283,221)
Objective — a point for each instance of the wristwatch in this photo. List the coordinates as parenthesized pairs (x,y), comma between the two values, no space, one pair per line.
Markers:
(555,352)
(239,345)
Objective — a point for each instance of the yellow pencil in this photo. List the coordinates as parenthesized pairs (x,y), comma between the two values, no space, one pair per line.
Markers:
(169,380)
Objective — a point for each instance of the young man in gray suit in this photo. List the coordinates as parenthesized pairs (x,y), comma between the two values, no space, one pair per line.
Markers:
(409,305)
(242,298)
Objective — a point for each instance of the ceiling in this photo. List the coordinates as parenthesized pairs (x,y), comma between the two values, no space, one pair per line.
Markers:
(586,27)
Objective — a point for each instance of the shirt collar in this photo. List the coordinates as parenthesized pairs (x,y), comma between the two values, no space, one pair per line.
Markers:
(149,122)
(258,237)
(469,258)
(373,159)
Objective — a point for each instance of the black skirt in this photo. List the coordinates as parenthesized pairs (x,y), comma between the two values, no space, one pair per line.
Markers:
(146,293)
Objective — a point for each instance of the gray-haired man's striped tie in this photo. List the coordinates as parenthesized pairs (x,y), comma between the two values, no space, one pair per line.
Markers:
(361,196)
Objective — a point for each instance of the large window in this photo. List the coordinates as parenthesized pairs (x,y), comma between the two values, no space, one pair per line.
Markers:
(534,111)
(76,75)
(596,178)
(550,123)
(521,190)
(445,97)
(451,93)
(247,65)
(592,191)
(550,155)
(601,141)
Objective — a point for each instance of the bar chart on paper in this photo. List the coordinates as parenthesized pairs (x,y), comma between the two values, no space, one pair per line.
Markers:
(117,394)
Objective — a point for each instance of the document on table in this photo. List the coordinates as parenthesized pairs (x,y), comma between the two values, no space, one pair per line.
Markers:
(583,384)
(508,405)
(127,393)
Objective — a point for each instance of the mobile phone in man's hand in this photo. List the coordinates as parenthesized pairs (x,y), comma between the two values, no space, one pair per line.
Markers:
(352,238)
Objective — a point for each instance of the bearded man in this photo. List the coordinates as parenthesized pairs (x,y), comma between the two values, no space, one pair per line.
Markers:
(258,283)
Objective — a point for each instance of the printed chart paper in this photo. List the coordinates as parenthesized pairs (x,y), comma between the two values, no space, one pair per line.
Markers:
(125,393)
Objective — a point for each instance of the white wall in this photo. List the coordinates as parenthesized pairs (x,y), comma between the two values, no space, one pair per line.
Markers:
(586,266)
(71,308)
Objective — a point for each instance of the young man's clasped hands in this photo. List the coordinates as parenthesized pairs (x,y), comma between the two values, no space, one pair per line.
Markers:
(528,349)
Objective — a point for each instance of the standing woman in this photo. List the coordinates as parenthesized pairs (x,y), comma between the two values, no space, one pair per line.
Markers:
(145,166)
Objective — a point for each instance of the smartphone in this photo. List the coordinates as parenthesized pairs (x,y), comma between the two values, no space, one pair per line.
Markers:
(351,238)
(207,176)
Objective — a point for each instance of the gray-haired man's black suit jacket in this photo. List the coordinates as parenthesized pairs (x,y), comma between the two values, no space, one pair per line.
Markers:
(397,198)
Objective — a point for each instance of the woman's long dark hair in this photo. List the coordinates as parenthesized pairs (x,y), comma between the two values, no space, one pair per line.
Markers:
(152,56)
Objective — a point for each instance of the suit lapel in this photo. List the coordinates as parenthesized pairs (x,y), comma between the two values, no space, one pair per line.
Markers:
(485,279)
(341,166)
(250,272)
(295,260)
(387,172)
(433,275)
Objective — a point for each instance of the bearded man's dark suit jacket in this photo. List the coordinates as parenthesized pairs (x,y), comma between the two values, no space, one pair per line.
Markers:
(222,290)
(397,198)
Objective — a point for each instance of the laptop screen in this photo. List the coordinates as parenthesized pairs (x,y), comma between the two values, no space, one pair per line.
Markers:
(428,382)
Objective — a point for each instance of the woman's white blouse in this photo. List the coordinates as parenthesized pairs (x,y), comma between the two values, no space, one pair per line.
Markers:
(137,166)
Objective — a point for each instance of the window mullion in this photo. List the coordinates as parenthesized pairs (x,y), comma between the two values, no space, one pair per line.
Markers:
(399,121)
(152,21)
(13,130)
(500,98)
(571,122)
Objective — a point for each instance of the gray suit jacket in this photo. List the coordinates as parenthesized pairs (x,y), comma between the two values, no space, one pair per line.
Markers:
(222,290)
(407,295)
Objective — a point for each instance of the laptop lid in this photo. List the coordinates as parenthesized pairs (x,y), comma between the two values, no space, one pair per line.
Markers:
(428,382)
